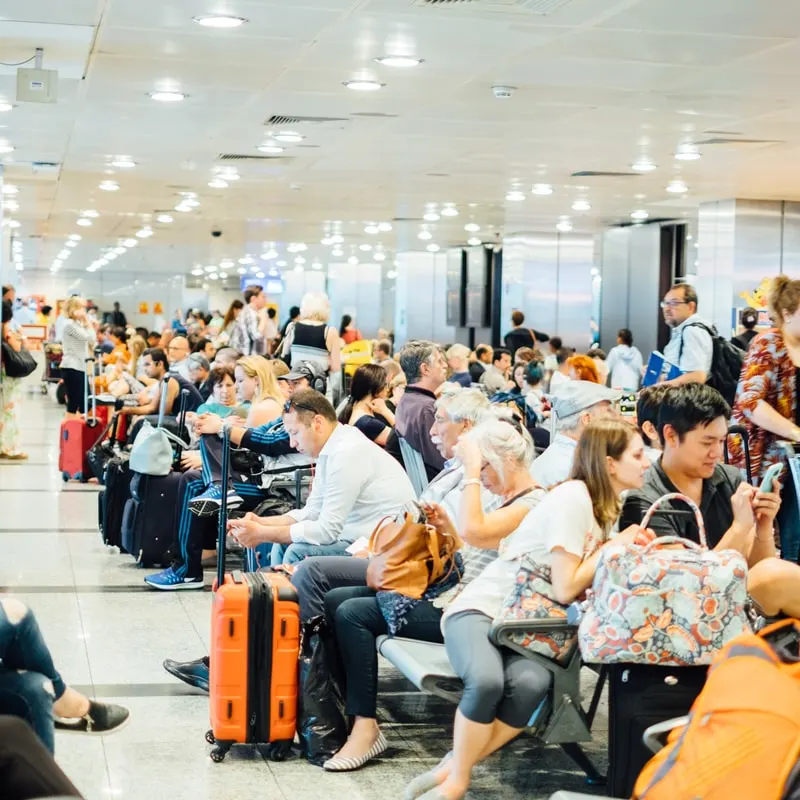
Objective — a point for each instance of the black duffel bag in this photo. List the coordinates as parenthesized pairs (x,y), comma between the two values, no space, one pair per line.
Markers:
(17,363)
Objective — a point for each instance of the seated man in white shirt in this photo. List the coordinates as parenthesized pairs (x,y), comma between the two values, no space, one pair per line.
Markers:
(574,404)
(356,484)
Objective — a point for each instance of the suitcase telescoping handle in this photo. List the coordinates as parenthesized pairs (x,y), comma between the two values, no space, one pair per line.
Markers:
(182,421)
(90,379)
(741,431)
(222,521)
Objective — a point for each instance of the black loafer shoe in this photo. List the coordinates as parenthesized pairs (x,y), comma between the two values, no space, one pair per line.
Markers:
(195,673)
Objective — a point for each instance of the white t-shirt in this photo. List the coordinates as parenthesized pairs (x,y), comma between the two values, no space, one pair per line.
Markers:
(563,518)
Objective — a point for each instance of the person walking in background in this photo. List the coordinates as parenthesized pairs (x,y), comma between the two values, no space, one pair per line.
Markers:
(272,330)
(560,375)
(78,338)
(551,358)
(10,394)
(749,322)
(625,363)
(348,332)
(118,318)
(519,336)
(249,336)
(294,313)
(228,322)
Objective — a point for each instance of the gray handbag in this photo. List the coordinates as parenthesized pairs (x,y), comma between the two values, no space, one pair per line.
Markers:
(151,453)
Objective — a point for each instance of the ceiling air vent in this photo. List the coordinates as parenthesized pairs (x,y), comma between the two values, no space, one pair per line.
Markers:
(724,141)
(373,115)
(276,120)
(540,7)
(590,173)
(250,157)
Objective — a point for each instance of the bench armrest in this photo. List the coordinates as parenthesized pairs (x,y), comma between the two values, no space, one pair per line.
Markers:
(502,627)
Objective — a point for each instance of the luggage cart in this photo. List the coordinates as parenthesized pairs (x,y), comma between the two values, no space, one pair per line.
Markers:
(52,364)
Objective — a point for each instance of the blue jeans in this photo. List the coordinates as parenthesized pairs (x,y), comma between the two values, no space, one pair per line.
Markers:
(29,681)
(297,551)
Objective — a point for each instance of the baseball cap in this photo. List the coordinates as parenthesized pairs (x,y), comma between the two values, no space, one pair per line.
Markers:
(305,369)
(576,396)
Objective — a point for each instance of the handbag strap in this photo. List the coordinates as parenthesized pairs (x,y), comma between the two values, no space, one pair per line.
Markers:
(516,497)
(668,498)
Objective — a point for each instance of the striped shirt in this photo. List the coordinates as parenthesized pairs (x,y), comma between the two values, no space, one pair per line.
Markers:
(246,337)
(75,342)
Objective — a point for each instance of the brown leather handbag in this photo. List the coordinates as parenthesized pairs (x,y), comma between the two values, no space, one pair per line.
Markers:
(408,557)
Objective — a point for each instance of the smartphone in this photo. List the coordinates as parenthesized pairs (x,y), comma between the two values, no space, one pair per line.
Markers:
(769,478)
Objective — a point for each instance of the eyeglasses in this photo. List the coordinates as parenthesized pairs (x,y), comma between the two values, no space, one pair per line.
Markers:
(290,405)
(672,303)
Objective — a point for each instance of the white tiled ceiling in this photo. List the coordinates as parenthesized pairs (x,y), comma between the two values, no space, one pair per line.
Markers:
(598,84)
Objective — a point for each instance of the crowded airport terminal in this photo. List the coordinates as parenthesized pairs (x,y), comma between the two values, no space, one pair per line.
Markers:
(399,399)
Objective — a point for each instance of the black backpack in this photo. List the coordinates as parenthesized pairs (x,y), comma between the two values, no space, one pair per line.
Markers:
(726,363)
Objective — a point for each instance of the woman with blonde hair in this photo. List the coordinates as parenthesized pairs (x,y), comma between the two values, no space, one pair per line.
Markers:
(256,384)
(310,338)
(78,337)
(766,399)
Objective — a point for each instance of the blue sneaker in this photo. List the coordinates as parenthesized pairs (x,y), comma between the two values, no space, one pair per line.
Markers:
(208,503)
(169,580)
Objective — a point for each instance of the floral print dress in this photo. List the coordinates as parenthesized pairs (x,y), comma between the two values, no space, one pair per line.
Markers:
(10,397)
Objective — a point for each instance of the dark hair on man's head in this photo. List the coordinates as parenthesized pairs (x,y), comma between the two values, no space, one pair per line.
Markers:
(272,313)
(749,318)
(252,291)
(46,310)
(625,336)
(119,332)
(153,335)
(689,294)
(555,343)
(157,356)
(199,344)
(294,312)
(481,350)
(217,374)
(307,404)
(517,318)
(384,346)
(142,332)
(499,352)
(563,354)
(689,406)
(648,406)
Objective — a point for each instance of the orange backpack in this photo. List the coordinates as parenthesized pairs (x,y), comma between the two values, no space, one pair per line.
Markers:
(743,735)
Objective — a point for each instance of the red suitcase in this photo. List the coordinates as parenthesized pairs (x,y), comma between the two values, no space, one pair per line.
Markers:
(255,645)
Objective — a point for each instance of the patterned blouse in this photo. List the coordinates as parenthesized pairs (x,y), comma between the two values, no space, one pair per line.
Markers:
(768,374)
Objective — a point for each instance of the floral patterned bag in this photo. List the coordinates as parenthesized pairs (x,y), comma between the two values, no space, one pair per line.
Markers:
(670,602)
(531,599)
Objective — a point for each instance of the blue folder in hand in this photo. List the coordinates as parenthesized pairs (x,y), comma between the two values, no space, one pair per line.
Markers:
(658,369)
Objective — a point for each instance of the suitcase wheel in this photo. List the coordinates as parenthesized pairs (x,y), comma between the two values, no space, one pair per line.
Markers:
(79,477)
(220,751)
(210,738)
(279,751)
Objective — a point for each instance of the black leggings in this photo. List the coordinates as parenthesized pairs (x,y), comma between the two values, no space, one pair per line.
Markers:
(27,770)
(353,614)
(75,388)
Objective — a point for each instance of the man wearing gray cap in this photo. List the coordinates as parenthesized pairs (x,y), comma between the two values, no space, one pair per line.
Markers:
(575,404)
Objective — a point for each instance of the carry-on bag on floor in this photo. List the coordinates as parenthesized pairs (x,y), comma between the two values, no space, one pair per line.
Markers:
(640,695)
(255,643)
(77,437)
(113,498)
(105,448)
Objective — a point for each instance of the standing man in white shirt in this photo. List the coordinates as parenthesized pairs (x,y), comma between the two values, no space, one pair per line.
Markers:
(690,347)
(356,484)
(575,405)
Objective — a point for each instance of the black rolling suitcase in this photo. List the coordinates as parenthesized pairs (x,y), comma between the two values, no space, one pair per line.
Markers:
(113,498)
(640,695)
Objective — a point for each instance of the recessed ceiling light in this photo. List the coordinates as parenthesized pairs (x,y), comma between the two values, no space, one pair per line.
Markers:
(123,162)
(687,152)
(144,233)
(677,186)
(269,254)
(272,149)
(130,242)
(581,205)
(433,248)
(474,241)
(219,21)
(5,107)
(639,215)
(167,96)
(297,247)
(542,188)
(165,218)
(75,237)
(91,213)
(226,263)
(352,260)
(218,183)
(643,165)
(241,271)
(380,256)
(371,229)
(213,276)
(364,85)
(9,188)
(109,186)
(299,260)
(71,243)
(183,208)
(365,247)
(425,235)
(84,223)
(515,196)
(247,260)
(13,223)
(120,251)
(111,255)
(211,268)
(5,147)
(431,216)
(336,238)
(449,210)
(564,226)
(11,205)
(191,202)
(64,254)
(281,263)
(316,265)
(197,271)
(402,62)
(472,227)
(337,252)
(289,137)
(384,227)
(391,274)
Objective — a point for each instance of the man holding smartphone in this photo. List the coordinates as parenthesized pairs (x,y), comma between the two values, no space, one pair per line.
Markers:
(692,426)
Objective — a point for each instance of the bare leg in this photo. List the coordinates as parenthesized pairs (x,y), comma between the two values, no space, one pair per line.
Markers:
(775,585)
(470,740)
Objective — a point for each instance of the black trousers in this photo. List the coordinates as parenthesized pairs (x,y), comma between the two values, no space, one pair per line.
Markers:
(27,770)
(75,389)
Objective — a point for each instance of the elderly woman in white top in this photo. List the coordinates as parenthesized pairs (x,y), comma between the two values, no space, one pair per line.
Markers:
(78,337)
(563,534)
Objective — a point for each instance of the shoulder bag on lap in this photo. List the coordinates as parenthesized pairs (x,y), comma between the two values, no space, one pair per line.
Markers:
(670,602)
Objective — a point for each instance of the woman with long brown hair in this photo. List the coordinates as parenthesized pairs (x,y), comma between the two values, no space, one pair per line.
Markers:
(562,536)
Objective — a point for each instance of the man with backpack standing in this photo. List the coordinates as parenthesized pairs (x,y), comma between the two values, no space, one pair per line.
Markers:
(695,346)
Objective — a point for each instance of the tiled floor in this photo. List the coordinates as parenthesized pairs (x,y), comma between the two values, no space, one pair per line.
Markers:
(109,636)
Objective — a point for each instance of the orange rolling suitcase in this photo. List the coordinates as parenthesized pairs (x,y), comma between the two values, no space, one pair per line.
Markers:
(255,644)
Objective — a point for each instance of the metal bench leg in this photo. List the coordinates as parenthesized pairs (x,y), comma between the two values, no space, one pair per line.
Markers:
(598,691)
(576,753)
